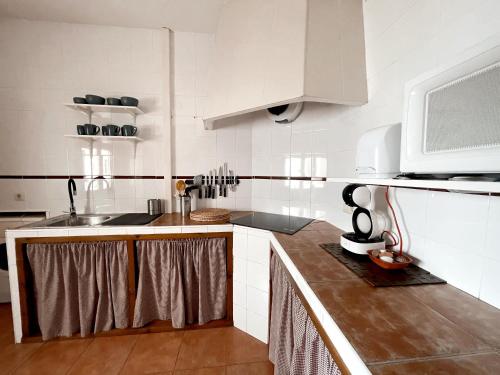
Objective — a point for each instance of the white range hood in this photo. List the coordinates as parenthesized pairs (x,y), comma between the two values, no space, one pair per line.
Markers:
(274,52)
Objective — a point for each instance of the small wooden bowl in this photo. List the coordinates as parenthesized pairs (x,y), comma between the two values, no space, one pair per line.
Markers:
(387,265)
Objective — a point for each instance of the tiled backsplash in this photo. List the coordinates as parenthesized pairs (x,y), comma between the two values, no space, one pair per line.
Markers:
(44,65)
(196,150)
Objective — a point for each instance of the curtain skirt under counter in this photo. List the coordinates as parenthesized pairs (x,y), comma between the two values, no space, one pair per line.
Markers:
(80,286)
(295,346)
(182,280)
(85,287)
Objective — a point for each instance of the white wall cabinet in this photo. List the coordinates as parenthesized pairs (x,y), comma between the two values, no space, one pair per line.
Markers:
(251,281)
(271,52)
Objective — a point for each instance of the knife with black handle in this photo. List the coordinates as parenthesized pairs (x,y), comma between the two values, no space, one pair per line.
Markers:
(220,182)
(207,187)
(225,180)
(214,186)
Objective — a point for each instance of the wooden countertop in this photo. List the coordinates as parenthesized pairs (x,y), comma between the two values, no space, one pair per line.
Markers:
(176,219)
(398,330)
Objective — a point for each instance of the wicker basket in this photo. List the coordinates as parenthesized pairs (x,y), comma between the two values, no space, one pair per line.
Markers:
(210,214)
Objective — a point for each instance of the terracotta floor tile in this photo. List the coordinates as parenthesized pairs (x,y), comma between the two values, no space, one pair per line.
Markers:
(6,336)
(242,348)
(5,314)
(105,355)
(471,365)
(13,355)
(153,353)
(259,368)
(54,357)
(202,348)
(202,371)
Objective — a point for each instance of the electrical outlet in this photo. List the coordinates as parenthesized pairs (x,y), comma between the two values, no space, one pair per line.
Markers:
(19,197)
(347,209)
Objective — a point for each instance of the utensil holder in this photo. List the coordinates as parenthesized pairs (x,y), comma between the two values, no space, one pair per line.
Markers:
(185,201)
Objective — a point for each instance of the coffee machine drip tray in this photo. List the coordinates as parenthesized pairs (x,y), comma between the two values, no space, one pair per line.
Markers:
(376,276)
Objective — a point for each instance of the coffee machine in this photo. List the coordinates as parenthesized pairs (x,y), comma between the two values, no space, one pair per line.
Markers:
(368,223)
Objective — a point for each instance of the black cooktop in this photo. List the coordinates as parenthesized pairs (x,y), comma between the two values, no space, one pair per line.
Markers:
(276,223)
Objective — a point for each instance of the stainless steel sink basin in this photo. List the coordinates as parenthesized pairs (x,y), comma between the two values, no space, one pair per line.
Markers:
(80,220)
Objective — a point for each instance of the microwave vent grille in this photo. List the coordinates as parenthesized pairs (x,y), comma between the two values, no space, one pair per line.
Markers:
(464,114)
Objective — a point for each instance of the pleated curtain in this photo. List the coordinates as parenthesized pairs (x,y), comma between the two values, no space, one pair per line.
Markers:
(183,280)
(80,286)
(295,346)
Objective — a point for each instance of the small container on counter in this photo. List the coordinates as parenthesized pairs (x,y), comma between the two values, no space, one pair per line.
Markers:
(154,206)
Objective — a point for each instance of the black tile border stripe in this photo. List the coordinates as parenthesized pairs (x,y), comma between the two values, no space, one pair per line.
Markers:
(78,177)
(324,179)
(123,177)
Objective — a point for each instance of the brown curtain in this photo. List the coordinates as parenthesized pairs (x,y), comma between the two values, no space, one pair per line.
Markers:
(80,286)
(295,346)
(183,280)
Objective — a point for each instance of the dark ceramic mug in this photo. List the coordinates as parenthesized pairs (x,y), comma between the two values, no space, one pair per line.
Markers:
(80,129)
(91,129)
(110,130)
(129,130)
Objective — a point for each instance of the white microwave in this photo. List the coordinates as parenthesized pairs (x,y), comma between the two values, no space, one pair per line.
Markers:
(451,119)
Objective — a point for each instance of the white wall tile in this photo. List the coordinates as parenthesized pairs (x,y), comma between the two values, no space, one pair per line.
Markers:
(280,190)
(492,250)
(490,283)
(257,326)
(261,188)
(458,220)
(240,245)
(240,317)
(257,301)
(197,150)
(240,270)
(240,294)
(57,61)
(257,275)
(258,250)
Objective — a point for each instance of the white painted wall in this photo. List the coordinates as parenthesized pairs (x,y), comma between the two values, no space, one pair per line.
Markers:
(452,235)
(42,66)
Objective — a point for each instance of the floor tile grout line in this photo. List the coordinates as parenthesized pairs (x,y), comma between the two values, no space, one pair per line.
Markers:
(129,353)
(248,363)
(178,352)
(27,358)
(79,356)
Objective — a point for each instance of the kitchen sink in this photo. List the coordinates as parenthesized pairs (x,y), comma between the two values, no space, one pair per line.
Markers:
(80,220)
(90,220)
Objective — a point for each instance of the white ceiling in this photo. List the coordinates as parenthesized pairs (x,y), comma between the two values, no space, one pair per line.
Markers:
(179,15)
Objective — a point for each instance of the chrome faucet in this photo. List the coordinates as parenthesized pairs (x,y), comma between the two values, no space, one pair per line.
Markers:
(71,192)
